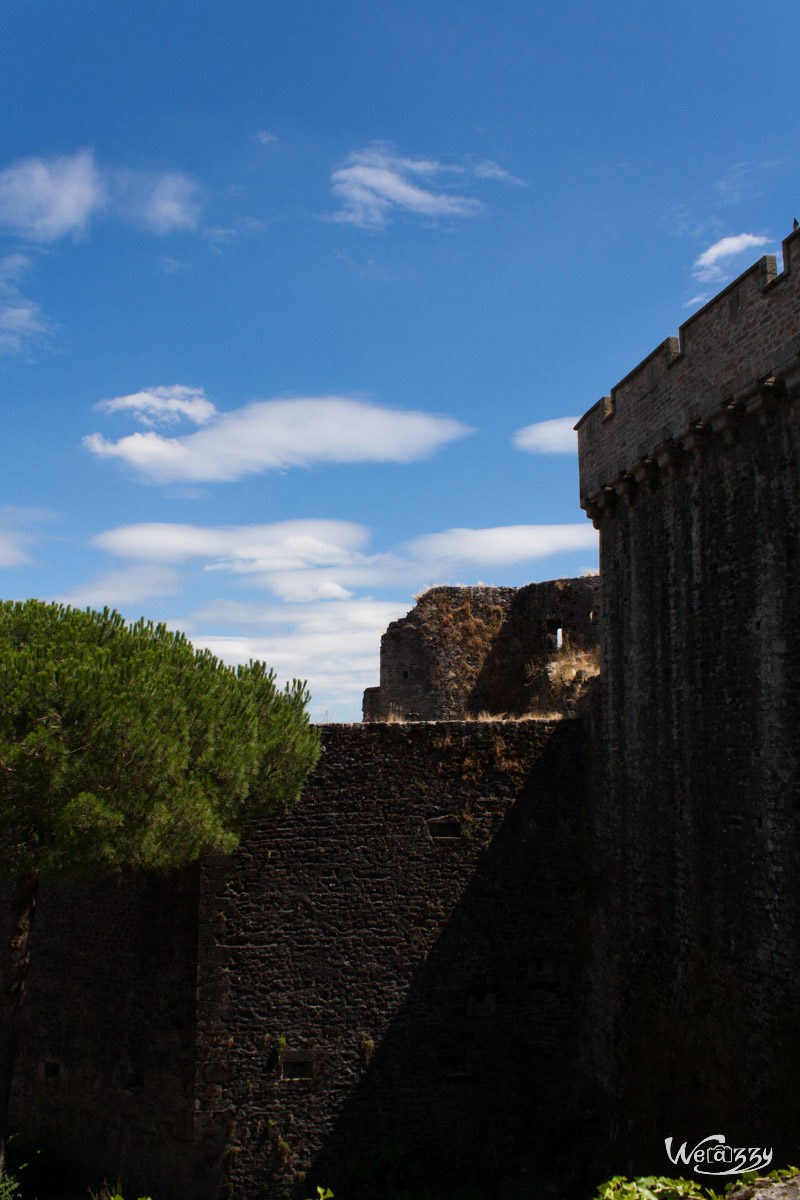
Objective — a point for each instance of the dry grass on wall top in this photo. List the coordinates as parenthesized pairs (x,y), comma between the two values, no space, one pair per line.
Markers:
(561,681)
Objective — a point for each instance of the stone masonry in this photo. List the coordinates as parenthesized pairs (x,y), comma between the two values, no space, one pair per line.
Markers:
(530,949)
(691,469)
(462,651)
(400,955)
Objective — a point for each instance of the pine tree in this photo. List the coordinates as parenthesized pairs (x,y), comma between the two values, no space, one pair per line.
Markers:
(123,748)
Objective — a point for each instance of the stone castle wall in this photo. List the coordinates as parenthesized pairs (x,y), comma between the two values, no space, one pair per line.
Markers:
(721,366)
(462,651)
(533,951)
(696,816)
(104,1078)
(403,953)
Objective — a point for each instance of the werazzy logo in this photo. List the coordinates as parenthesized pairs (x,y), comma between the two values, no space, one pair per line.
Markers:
(713,1156)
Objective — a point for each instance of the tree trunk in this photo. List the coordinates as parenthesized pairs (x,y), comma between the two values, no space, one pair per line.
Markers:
(13,976)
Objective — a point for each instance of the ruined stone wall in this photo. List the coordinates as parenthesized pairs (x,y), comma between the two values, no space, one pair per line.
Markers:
(462,651)
(696,818)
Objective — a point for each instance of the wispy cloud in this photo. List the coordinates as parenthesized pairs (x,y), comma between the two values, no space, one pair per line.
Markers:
(265,137)
(23,325)
(713,265)
(272,435)
(276,546)
(556,436)
(18,530)
(120,589)
(12,549)
(334,645)
(502,546)
(323,559)
(161,204)
(376,184)
(163,405)
(486,169)
(324,631)
(44,199)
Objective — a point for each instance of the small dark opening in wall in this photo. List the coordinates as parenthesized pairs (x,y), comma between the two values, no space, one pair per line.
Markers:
(405,674)
(592,615)
(757,623)
(541,970)
(554,631)
(439,828)
(132,1081)
(52,1070)
(455,1068)
(297,1068)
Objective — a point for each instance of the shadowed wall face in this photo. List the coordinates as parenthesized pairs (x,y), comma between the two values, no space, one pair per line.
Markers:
(403,954)
(104,1076)
(696,954)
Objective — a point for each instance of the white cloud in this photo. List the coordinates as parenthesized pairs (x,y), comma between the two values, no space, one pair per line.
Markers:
(19,527)
(335,646)
(708,266)
(548,437)
(23,325)
(47,198)
(325,633)
(44,199)
(265,137)
(490,170)
(119,589)
(275,434)
(163,405)
(12,552)
(376,184)
(502,546)
(305,560)
(284,545)
(162,204)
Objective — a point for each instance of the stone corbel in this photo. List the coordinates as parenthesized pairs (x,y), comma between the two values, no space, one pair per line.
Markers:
(727,420)
(767,398)
(646,472)
(696,439)
(626,488)
(668,456)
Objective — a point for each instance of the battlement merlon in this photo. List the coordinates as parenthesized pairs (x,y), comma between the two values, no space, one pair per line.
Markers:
(729,355)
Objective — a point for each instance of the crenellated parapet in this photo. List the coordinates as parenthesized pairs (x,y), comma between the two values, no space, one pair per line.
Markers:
(738,355)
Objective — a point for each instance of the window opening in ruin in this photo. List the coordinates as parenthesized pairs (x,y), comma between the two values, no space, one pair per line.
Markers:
(592,615)
(405,674)
(297,1068)
(554,631)
(52,1070)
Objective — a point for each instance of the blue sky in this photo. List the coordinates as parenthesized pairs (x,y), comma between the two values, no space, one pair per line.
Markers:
(290,288)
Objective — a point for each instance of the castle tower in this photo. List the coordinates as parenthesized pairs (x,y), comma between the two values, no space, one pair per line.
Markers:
(691,471)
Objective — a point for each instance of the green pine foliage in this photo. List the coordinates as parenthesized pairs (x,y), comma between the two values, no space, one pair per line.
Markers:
(123,747)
